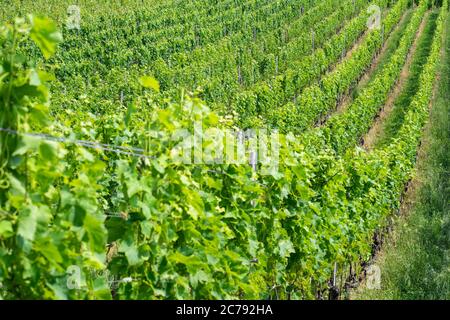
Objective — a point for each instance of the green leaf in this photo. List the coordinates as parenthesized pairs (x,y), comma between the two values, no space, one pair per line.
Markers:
(48,250)
(29,219)
(6,229)
(193,212)
(158,165)
(130,110)
(132,255)
(45,34)
(149,83)
(133,187)
(59,291)
(178,257)
(96,233)
(39,113)
(28,223)
(17,187)
(145,251)
(27,143)
(48,150)
(102,290)
(213,183)
(130,249)
(116,228)
(286,248)
(86,155)
(199,276)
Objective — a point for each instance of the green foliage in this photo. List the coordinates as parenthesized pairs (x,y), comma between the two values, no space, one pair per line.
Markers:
(320,99)
(45,34)
(343,130)
(48,214)
(149,82)
(165,229)
(415,266)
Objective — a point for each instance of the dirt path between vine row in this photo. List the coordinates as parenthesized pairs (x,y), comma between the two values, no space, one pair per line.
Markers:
(345,101)
(374,132)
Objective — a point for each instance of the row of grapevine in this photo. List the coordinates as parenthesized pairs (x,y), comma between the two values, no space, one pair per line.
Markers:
(92,75)
(343,130)
(164,229)
(277,91)
(165,70)
(400,155)
(225,67)
(321,98)
(200,66)
(367,193)
(79,73)
(164,42)
(39,237)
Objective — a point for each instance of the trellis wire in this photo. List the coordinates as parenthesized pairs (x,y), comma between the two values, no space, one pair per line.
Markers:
(130,151)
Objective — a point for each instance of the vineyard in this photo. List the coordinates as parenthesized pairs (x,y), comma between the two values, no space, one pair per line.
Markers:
(207,149)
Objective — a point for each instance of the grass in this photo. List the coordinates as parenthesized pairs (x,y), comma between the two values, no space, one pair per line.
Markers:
(415,263)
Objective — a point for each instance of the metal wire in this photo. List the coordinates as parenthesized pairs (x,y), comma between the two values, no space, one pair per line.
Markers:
(130,151)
